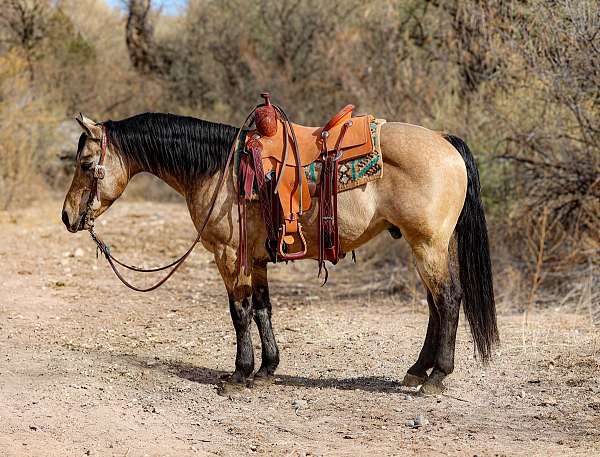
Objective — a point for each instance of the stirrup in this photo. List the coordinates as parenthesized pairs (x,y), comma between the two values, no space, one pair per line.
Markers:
(294,255)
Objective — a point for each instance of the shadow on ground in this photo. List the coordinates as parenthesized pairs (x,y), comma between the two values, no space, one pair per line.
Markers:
(211,376)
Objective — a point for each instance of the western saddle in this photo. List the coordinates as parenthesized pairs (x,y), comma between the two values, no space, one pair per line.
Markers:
(272,164)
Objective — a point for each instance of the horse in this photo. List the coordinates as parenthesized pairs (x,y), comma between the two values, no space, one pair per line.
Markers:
(429,194)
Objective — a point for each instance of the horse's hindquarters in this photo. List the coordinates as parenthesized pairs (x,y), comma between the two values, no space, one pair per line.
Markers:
(424,183)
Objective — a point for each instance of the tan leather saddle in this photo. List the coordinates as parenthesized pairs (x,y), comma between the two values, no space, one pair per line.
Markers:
(276,152)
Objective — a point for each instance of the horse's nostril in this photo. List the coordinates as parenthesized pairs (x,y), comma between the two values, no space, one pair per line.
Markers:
(65,219)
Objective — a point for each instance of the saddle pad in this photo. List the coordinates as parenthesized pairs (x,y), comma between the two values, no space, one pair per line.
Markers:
(354,172)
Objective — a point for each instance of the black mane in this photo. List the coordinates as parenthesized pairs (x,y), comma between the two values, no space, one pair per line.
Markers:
(180,146)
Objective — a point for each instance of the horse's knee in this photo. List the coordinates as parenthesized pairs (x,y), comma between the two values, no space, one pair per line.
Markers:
(241,313)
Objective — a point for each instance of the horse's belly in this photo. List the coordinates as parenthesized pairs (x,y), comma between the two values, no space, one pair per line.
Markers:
(358,219)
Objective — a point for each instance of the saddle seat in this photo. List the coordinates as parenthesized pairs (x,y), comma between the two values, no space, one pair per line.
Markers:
(310,143)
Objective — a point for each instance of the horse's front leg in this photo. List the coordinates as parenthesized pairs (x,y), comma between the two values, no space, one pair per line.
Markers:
(239,290)
(262,316)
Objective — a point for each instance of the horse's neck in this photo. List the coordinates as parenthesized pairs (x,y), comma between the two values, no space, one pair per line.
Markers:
(175,182)
(198,194)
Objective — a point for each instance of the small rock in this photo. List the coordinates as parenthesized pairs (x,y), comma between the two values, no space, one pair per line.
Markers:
(421,421)
(32,427)
(550,402)
(78,252)
(410,424)
(299,403)
(408,397)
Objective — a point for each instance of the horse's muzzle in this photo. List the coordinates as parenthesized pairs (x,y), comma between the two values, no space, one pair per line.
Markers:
(75,227)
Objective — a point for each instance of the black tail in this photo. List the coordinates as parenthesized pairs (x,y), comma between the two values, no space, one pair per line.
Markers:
(474,260)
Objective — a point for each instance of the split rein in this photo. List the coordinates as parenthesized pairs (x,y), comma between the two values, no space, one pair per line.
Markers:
(94,203)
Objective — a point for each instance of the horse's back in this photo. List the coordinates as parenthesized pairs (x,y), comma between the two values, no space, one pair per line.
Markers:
(418,150)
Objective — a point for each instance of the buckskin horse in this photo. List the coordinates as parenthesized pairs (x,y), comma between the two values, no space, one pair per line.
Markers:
(429,194)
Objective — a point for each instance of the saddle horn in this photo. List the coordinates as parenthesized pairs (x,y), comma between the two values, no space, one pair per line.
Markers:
(265,117)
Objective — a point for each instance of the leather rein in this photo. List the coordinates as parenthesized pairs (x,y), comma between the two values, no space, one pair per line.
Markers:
(94,203)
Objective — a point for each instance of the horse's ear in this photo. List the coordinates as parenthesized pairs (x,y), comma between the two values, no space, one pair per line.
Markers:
(91,128)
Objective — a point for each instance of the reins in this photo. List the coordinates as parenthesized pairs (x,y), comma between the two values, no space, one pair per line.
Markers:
(94,201)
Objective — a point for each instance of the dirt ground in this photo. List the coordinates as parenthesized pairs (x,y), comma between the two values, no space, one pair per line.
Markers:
(88,367)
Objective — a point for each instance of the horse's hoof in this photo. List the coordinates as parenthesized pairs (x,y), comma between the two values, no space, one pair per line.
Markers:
(411,380)
(233,385)
(263,380)
(432,388)
(231,390)
(262,377)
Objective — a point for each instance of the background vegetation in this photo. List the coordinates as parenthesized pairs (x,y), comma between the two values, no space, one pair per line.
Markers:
(517,79)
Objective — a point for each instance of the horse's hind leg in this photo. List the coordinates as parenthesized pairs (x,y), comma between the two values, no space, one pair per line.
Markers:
(440,278)
(417,374)
(262,316)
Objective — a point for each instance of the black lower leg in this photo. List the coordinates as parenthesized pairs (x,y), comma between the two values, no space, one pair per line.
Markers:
(428,352)
(448,304)
(241,315)
(262,316)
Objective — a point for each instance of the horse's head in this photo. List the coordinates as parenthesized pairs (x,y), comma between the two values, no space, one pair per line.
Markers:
(101,175)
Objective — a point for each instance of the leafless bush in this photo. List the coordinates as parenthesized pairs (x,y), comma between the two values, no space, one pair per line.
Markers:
(26,130)
(556,158)
(25,24)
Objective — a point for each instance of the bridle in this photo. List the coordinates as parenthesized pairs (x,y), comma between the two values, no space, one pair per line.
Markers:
(98,173)
(94,202)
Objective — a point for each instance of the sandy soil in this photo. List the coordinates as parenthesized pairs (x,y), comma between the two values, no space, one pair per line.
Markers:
(88,367)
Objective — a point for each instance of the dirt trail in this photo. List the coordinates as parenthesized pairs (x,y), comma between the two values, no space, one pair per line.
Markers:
(88,367)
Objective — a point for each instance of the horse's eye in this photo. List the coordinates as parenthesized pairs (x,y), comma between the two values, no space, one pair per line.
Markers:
(87,166)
